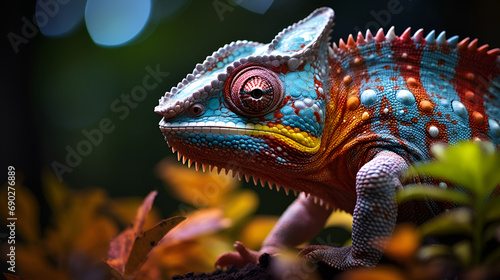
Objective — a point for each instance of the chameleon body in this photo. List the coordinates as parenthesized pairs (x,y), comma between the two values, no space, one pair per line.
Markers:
(337,124)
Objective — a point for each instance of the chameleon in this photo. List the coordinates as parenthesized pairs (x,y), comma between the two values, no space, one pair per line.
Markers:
(337,124)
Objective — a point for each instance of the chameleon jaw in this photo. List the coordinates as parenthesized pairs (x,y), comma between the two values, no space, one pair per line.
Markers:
(293,137)
(193,156)
(240,174)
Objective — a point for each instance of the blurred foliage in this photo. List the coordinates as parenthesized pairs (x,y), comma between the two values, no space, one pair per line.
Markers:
(218,212)
(472,223)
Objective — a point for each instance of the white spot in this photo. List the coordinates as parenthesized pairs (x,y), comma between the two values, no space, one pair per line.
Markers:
(433,131)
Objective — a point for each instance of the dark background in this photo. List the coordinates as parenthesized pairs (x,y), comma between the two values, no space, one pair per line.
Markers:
(54,88)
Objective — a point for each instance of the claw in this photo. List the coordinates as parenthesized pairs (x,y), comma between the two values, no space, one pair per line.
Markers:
(240,258)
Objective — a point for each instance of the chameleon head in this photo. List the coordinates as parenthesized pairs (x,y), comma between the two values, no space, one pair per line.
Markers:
(256,108)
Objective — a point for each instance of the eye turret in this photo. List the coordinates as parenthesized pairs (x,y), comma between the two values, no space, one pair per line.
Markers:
(253,91)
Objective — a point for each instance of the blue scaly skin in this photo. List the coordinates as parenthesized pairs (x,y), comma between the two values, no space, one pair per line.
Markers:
(336,123)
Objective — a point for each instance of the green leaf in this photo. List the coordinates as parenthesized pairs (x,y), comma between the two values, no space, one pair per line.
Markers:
(472,165)
(492,209)
(455,221)
(463,251)
(429,252)
(493,258)
(426,191)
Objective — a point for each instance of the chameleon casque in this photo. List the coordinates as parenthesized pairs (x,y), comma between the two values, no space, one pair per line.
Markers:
(337,124)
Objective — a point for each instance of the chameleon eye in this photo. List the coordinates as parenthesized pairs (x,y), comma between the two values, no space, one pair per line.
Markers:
(196,109)
(253,91)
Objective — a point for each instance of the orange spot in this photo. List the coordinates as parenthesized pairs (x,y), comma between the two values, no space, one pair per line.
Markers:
(441,62)
(412,82)
(478,118)
(358,60)
(469,76)
(365,116)
(426,106)
(352,103)
(347,79)
(469,95)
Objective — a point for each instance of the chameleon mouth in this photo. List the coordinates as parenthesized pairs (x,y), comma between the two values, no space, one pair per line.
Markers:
(302,141)
(256,180)
(293,137)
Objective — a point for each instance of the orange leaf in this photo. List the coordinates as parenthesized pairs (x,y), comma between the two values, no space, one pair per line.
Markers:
(403,243)
(198,223)
(121,246)
(377,273)
(9,276)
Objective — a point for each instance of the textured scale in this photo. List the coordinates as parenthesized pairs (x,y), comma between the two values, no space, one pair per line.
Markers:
(336,123)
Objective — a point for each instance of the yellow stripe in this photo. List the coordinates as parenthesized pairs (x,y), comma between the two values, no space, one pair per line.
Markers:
(299,140)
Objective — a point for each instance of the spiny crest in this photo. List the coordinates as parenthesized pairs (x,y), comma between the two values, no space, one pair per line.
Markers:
(418,38)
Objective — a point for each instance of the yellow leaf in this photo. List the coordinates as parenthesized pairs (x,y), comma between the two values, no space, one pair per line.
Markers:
(240,204)
(256,230)
(197,188)
(125,208)
(196,255)
(340,218)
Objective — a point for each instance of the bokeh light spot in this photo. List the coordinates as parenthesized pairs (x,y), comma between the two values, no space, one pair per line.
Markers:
(116,22)
(58,18)
(256,6)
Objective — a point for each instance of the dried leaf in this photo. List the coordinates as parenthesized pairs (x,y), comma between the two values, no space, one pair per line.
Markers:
(147,241)
(121,246)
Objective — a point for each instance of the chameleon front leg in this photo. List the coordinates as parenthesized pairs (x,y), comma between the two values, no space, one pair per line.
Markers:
(300,222)
(374,216)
